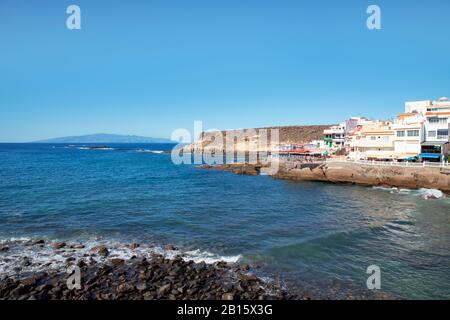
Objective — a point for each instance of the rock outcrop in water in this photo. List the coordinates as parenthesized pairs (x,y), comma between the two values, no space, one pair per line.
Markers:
(246,169)
(371,175)
(345,172)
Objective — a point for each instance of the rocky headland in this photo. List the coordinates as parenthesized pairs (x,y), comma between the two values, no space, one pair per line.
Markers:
(254,139)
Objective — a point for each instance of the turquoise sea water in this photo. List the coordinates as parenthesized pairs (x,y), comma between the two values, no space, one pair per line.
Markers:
(318,237)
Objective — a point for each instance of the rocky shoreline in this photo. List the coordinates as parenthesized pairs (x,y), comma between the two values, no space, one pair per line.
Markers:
(151,277)
(352,173)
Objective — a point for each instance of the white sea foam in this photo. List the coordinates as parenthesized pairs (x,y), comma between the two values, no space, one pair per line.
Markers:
(208,257)
(23,256)
(431,193)
(149,151)
(423,192)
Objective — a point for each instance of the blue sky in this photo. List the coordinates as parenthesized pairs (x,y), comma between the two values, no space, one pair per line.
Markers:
(149,67)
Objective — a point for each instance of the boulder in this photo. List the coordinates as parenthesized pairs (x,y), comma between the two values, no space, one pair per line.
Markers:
(170,247)
(117,262)
(164,289)
(100,250)
(228,296)
(247,277)
(58,245)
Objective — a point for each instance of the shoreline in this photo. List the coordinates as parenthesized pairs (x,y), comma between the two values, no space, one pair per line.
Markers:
(350,173)
(105,276)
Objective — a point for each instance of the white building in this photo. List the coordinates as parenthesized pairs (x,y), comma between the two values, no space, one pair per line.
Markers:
(334,137)
(436,126)
(374,140)
(409,134)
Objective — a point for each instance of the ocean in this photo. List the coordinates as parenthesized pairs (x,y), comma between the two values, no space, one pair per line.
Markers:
(315,237)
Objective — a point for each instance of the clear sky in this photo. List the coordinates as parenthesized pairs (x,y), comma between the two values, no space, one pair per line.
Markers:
(149,67)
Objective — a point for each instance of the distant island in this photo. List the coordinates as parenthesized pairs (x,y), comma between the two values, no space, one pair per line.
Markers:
(105,138)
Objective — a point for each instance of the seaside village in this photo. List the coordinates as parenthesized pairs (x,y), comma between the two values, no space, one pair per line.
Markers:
(420,134)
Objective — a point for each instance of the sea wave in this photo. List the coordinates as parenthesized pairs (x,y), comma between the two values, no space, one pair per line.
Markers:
(85,147)
(208,257)
(423,192)
(431,193)
(24,255)
(149,151)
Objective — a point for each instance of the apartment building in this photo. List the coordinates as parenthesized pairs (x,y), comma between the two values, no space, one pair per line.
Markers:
(374,140)
(437,123)
(334,137)
(409,134)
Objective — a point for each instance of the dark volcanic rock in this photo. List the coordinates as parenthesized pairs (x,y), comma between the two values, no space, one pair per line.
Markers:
(140,278)
(117,262)
(170,247)
(100,250)
(58,245)
(228,296)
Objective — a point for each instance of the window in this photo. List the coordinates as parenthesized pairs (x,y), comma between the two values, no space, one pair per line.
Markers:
(400,133)
(373,138)
(413,133)
(432,134)
(442,134)
(436,120)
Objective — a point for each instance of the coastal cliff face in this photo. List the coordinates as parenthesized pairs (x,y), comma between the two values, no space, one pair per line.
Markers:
(402,177)
(256,138)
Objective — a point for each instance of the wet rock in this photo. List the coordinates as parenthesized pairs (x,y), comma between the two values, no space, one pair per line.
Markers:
(170,247)
(18,291)
(245,267)
(44,287)
(58,245)
(247,277)
(100,250)
(221,264)
(117,262)
(149,296)
(125,287)
(40,241)
(228,296)
(164,289)
(140,278)
(26,262)
(81,264)
(4,249)
(29,282)
(134,246)
(141,287)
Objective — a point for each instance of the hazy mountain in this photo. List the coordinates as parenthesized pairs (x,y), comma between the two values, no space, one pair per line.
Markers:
(105,138)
